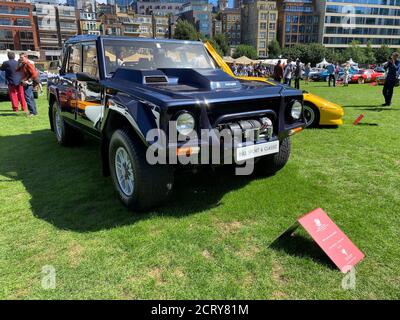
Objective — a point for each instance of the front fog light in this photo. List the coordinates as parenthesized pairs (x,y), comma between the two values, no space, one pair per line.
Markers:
(297,109)
(185,124)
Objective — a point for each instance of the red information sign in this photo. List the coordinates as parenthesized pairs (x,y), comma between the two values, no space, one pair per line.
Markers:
(344,254)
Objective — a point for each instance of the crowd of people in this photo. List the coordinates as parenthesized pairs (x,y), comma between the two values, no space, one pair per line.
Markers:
(251,70)
(286,73)
(21,77)
(291,71)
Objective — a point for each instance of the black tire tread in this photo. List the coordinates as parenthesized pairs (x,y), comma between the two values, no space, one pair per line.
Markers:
(151,180)
(269,165)
(71,135)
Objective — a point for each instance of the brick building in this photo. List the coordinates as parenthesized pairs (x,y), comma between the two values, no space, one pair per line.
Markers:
(17,27)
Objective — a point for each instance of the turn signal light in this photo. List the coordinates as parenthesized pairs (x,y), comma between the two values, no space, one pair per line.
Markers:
(294,131)
(187,151)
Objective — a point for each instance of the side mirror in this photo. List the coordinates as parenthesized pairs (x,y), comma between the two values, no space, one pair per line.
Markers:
(83,76)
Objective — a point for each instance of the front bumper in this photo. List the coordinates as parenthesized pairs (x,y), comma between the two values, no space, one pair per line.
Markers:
(206,153)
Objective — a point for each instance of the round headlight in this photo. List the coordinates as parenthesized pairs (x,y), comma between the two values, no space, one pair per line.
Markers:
(185,124)
(297,109)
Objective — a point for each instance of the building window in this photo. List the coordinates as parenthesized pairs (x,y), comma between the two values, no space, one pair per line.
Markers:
(5,22)
(23,22)
(20,11)
(26,35)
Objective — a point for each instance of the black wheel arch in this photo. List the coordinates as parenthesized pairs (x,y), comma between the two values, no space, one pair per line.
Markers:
(113,121)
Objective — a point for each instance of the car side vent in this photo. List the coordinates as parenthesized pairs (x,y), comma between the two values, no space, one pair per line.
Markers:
(155,79)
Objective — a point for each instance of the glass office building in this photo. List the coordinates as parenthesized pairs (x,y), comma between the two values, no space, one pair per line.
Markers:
(374,21)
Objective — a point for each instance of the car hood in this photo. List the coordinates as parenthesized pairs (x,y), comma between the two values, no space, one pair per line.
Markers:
(172,87)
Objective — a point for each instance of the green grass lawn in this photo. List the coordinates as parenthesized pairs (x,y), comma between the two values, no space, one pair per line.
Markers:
(212,240)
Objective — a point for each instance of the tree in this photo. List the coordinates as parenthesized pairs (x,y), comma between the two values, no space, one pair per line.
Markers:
(184,30)
(316,53)
(382,54)
(355,52)
(215,45)
(298,51)
(245,50)
(222,43)
(369,54)
(335,56)
(274,49)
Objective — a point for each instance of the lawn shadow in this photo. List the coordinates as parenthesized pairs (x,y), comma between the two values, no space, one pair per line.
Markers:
(367,124)
(380,109)
(8,115)
(67,189)
(364,107)
(301,246)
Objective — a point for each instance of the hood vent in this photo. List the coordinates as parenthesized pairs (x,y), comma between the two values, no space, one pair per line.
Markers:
(155,79)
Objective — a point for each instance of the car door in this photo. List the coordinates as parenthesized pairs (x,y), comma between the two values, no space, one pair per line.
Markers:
(89,91)
(67,82)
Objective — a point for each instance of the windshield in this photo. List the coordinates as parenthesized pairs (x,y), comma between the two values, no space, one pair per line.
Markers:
(150,55)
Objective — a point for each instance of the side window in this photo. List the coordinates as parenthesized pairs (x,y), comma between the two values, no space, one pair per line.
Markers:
(90,65)
(74,60)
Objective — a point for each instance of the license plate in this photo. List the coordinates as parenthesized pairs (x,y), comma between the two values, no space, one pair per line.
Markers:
(257,150)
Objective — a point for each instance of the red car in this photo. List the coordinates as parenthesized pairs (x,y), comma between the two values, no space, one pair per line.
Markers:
(363,76)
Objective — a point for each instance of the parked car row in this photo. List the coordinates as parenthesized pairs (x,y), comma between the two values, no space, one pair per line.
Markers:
(3,85)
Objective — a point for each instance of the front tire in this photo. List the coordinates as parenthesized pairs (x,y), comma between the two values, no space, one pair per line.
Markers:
(311,115)
(361,80)
(271,164)
(139,185)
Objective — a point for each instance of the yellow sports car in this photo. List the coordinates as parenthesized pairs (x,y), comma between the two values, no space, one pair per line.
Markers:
(317,111)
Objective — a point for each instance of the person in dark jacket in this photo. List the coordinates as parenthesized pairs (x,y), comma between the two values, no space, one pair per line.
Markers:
(30,78)
(392,68)
(297,74)
(13,80)
(278,72)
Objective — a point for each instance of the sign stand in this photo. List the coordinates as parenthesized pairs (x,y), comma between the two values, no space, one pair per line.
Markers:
(336,245)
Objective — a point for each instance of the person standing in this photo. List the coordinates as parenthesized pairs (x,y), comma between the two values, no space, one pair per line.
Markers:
(307,70)
(337,72)
(13,79)
(297,74)
(30,78)
(278,72)
(346,74)
(392,67)
(331,74)
(287,74)
(234,69)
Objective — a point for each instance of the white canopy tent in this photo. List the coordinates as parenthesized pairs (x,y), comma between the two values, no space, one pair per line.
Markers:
(228,59)
(273,61)
(352,63)
(323,64)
